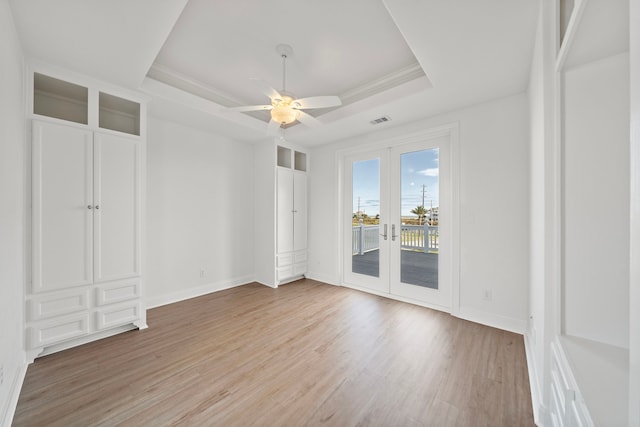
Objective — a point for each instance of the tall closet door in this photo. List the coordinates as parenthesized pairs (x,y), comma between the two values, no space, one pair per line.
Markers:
(285,211)
(62,206)
(300,211)
(117,210)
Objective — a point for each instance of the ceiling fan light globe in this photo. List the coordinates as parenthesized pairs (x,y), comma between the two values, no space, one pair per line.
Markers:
(284,114)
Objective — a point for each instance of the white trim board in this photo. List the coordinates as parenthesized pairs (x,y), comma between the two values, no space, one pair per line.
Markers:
(324,278)
(9,410)
(518,326)
(539,410)
(396,298)
(197,291)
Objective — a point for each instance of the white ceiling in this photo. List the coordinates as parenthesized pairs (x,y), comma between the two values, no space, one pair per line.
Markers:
(396,58)
(115,40)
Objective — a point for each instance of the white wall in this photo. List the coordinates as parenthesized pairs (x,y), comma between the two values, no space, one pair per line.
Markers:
(199,212)
(494,208)
(596,201)
(634,300)
(264,169)
(12,212)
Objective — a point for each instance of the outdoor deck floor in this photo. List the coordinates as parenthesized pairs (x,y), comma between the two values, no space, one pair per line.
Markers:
(418,268)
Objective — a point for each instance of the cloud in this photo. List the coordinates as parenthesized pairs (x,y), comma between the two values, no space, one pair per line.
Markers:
(412,184)
(429,172)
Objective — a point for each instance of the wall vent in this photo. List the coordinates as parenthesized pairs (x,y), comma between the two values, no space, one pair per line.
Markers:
(380,120)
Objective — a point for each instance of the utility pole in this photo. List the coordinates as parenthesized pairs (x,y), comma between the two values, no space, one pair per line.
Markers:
(431,213)
(424,190)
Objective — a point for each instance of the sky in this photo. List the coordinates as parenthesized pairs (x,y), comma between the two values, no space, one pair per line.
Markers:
(418,168)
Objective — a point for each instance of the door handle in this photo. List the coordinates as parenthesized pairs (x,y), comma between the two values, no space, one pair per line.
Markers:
(393,232)
(385,232)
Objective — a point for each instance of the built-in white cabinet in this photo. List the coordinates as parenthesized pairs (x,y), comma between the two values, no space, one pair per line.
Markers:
(281,225)
(86,216)
(291,219)
(582,341)
(85,207)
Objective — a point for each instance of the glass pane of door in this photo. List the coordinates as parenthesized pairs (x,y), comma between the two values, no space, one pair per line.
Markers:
(418,234)
(396,215)
(365,234)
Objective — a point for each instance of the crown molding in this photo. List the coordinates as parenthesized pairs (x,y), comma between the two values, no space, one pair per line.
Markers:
(384,83)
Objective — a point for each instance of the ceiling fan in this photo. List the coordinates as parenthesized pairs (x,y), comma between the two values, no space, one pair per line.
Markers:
(284,107)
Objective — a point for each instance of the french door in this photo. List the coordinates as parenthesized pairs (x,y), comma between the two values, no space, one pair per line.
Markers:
(397,222)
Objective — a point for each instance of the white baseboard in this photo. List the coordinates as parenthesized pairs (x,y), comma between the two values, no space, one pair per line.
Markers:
(197,291)
(9,409)
(270,285)
(44,351)
(518,326)
(396,297)
(536,392)
(322,278)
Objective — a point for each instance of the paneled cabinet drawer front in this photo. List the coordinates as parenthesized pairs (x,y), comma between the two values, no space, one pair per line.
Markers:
(300,256)
(112,293)
(117,315)
(54,331)
(299,269)
(58,304)
(284,273)
(284,260)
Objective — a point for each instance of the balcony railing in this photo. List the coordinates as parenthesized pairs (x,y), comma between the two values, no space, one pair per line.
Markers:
(366,238)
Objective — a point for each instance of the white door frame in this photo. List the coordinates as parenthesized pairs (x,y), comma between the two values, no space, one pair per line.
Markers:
(378,284)
(452,132)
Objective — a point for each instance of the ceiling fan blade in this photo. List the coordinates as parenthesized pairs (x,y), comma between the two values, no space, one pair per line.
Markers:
(316,102)
(267,89)
(308,120)
(273,128)
(251,108)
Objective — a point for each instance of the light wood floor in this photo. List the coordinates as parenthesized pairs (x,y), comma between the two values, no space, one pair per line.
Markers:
(303,354)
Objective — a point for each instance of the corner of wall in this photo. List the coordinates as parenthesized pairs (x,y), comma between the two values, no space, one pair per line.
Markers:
(517,326)
(539,410)
(9,410)
(13,220)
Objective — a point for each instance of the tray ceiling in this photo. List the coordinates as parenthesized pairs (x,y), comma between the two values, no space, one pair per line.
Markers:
(402,59)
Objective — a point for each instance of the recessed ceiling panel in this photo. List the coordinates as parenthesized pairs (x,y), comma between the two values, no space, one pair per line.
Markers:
(339,46)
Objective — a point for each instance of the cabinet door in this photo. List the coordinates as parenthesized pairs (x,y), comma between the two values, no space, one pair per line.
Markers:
(117,212)
(62,171)
(300,211)
(285,210)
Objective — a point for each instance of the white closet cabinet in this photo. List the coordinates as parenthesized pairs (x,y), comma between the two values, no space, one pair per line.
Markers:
(86,233)
(280,200)
(291,227)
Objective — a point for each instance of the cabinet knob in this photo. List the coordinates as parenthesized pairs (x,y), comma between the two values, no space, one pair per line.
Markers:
(89,207)
(97,206)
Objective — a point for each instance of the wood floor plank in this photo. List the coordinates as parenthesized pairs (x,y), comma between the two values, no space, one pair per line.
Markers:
(303,354)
